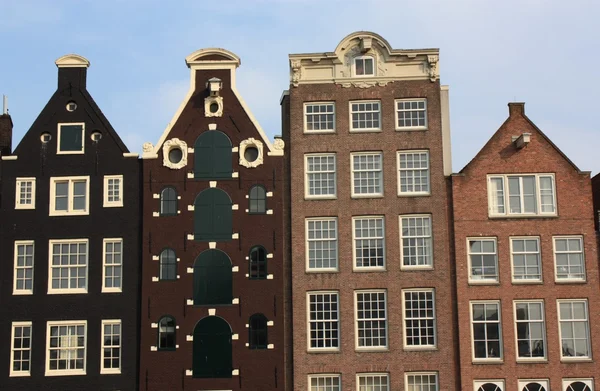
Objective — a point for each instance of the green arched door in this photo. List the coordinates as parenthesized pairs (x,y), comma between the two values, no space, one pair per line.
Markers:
(212,348)
(212,216)
(212,278)
(212,156)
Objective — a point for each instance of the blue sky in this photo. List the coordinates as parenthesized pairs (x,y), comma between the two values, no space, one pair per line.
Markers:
(542,52)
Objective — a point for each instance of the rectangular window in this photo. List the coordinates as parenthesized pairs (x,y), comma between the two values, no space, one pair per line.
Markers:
(526,262)
(364,66)
(320,176)
(371,320)
(369,243)
(68,266)
(66,344)
(487,330)
(531,330)
(415,242)
(69,195)
(113,265)
(323,320)
(411,114)
(483,260)
(319,117)
(373,382)
(113,191)
(23,274)
(419,318)
(426,381)
(20,351)
(574,329)
(413,173)
(367,174)
(71,139)
(324,383)
(533,194)
(25,193)
(365,116)
(569,259)
(322,244)
(111,346)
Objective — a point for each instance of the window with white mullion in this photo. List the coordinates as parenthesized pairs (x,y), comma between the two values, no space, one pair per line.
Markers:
(68,266)
(367,174)
(569,258)
(320,176)
(411,114)
(113,265)
(421,381)
(373,382)
(111,346)
(323,323)
(365,116)
(322,244)
(25,193)
(531,194)
(419,319)
(69,196)
(487,331)
(364,66)
(319,117)
(533,385)
(526,262)
(531,330)
(371,320)
(574,329)
(324,383)
(483,260)
(66,342)
(413,173)
(113,190)
(489,385)
(20,352)
(23,272)
(369,243)
(578,384)
(416,243)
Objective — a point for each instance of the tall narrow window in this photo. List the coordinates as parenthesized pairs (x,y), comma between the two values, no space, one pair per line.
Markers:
(68,266)
(487,331)
(166,333)
(415,240)
(324,383)
(531,331)
(113,265)
(213,279)
(258,200)
(426,381)
(213,218)
(526,260)
(69,196)
(258,332)
(320,179)
(369,243)
(71,138)
(483,260)
(113,191)
(213,156)
(322,244)
(365,116)
(574,329)
(20,352)
(569,259)
(66,342)
(168,202)
(23,273)
(371,320)
(212,351)
(111,346)
(419,319)
(25,193)
(413,173)
(411,114)
(533,194)
(167,265)
(319,117)
(258,263)
(323,320)
(373,382)
(367,174)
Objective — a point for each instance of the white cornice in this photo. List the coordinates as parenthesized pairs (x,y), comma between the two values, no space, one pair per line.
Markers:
(10,157)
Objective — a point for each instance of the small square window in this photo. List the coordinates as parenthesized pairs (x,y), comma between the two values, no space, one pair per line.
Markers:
(533,385)
(364,66)
(113,191)
(578,384)
(71,138)
(25,193)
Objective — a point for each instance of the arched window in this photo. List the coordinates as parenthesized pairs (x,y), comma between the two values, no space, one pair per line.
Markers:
(168,265)
(489,387)
(258,200)
(258,332)
(213,278)
(534,386)
(258,263)
(168,201)
(212,156)
(212,348)
(212,216)
(166,333)
(578,386)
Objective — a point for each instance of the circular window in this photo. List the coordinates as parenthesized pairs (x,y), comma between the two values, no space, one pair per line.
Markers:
(175,155)
(214,107)
(46,137)
(71,106)
(96,136)
(251,153)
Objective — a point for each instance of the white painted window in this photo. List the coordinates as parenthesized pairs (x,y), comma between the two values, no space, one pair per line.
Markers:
(533,385)
(483,260)
(321,244)
(421,381)
(569,259)
(413,173)
(68,266)
(488,385)
(367,174)
(324,382)
(25,193)
(110,360)
(411,114)
(415,242)
(66,343)
(364,66)
(578,384)
(323,321)
(530,330)
(532,194)
(113,191)
(69,196)
(71,139)
(112,276)
(320,181)
(371,320)
(526,260)
(319,117)
(365,116)
(487,330)
(20,351)
(372,382)
(23,273)
(369,243)
(574,329)
(419,318)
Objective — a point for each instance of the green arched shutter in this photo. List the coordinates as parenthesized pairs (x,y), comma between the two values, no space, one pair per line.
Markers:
(212,216)
(212,156)
(212,278)
(212,348)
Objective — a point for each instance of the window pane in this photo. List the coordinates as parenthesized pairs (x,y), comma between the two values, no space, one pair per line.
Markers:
(320,175)
(322,244)
(415,235)
(71,138)
(323,320)
(413,172)
(371,319)
(483,258)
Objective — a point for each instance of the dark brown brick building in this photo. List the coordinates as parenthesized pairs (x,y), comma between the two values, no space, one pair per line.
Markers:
(526,265)
(213,243)
(373,279)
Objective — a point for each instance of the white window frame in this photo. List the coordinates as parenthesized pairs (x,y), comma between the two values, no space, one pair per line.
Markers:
(543,322)
(105,265)
(587,381)
(427,238)
(12,372)
(67,291)
(308,323)
(512,260)
(364,130)
(307,194)
(372,374)
(307,241)
(111,322)
(399,170)
(16,267)
(372,58)
(497,382)
(524,382)
(357,320)
(324,376)
(409,374)
(569,280)
(59,130)
(405,318)
(483,281)
(352,174)
(354,239)
(500,357)
(588,336)
(306,114)
(113,204)
(506,198)
(70,211)
(18,183)
(65,372)
(396,111)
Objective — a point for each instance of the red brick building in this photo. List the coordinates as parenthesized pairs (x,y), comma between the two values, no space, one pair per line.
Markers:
(526,265)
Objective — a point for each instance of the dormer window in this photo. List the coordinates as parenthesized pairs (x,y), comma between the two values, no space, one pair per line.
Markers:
(364,66)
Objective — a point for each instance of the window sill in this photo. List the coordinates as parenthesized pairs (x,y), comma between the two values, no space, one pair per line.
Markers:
(372,350)
(568,360)
(18,374)
(78,291)
(22,293)
(369,269)
(524,216)
(366,130)
(411,268)
(55,213)
(112,290)
(317,198)
(361,196)
(567,281)
(323,351)
(70,152)
(64,373)
(532,361)
(412,129)
(420,349)
(527,282)
(319,131)
(484,282)
(27,207)
(120,205)
(315,271)
(499,361)
(414,194)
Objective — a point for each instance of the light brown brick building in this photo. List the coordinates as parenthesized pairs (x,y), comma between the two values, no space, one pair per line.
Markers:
(372,279)
(526,265)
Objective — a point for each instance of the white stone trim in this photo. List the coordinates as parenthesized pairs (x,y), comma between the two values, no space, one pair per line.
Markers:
(190,208)
(212,126)
(212,245)
(189,338)
(156,196)
(11,157)
(154,325)
(212,311)
(235,269)
(269,211)
(155,279)
(251,142)
(270,323)
(270,256)
(270,346)
(235,236)
(72,61)
(235,301)
(269,194)
(153,348)
(155,258)
(131,154)
(190,237)
(235,207)
(172,144)
(189,302)
(190,270)
(212,183)
(269,276)
(155,214)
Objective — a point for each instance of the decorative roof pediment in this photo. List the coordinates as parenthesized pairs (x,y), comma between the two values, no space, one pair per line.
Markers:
(72,61)
(212,55)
